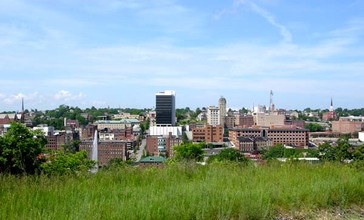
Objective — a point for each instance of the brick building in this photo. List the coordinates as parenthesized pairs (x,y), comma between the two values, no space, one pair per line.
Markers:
(295,123)
(208,134)
(347,125)
(293,137)
(56,142)
(162,145)
(329,116)
(253,144)
(230,121)
(244,121)
(107,150)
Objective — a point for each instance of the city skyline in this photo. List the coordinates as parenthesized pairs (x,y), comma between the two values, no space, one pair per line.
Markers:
(120,53)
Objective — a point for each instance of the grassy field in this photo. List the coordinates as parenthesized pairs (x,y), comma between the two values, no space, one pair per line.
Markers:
(188,191)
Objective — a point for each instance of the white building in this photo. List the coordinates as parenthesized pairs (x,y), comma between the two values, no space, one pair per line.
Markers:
(361,136)
(213,115)
(165,130)
(47,130)
(268,120)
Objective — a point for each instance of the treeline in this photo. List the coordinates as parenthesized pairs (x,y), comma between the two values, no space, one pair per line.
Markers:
(56,116)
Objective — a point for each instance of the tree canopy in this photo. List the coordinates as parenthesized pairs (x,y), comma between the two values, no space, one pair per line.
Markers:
(20,149)
(228,154)
(189,151)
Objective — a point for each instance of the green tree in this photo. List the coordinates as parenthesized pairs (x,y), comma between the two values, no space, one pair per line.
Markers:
(62,163)
(228,154)
(73,146)
(274,152)
(189,151)
(343,151)
(20,150)
(314,127)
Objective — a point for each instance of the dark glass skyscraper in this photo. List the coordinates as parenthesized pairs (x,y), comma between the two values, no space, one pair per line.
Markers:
(165,108)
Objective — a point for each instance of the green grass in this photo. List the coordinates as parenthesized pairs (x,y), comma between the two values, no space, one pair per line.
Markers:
(184,191)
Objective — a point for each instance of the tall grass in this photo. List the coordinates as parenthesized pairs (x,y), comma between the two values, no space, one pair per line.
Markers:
(183,191)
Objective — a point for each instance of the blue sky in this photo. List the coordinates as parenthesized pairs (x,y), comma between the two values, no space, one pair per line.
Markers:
(121,52)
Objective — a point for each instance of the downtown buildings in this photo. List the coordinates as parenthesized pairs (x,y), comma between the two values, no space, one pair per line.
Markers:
(163,134)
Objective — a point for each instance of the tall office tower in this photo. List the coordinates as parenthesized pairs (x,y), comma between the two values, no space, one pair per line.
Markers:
(222,107)
(166,108)
(213,115)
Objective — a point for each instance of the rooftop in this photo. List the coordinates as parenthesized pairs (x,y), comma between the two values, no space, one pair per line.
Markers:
(151,159)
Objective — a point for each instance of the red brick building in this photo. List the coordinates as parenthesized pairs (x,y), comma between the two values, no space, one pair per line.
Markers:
(107,150)
(292,137)
(329,116)
(253,144)
(244,121)
(347,125)
(208,134)
(162,145)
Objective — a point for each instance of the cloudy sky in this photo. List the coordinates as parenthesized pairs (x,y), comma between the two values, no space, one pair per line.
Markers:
(121,52)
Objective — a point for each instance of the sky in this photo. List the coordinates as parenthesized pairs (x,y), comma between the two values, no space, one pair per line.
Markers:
(119,53)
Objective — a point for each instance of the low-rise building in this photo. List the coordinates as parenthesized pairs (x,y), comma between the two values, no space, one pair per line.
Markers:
(347,126)
(165,130)
(162,145)
(57,141)
(329,116)
(292,137)
(152,161)
(268,120)
(254,144)
(361,136)
(115,125)
(45,129)
(230,121)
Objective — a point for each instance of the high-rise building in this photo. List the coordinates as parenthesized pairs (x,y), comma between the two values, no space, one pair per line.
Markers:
(222,107)
(166,108)
(213,116)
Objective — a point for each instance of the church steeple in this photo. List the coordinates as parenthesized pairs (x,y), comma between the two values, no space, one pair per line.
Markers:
(331,106)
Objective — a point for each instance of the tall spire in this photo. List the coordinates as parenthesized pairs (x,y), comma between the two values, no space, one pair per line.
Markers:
(331,106)
(22,104)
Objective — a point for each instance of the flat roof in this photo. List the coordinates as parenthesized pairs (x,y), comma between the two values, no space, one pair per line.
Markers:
(152,159)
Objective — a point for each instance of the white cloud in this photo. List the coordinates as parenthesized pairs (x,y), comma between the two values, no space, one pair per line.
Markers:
(64,95)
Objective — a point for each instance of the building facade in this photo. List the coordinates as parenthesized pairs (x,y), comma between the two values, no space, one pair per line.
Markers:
(208,134)
(292,137)
(166,108)
(162,145)
(213,116)
(222,112)
(244,121)
(254,144)
(348,125)
(107,150)
(268,120)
